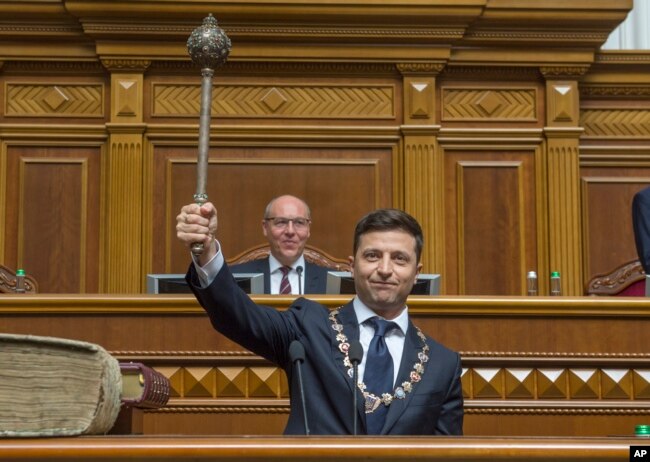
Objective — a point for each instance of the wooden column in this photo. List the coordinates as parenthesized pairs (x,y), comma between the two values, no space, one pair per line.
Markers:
(422,160)
(122,226)
(563,186)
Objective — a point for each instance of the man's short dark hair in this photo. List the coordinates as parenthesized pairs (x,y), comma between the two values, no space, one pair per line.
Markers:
(389,220)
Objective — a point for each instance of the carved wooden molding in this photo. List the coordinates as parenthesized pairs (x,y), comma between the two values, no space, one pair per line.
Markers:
(565,72)
(562,104)
(312,255)
(65,67)
(279,101)
(8,281)
(538,36)
(429,69)
(470,409)
(274,68)
(565,356)
(216,409)
(615,122)
(486,104)
(452,71)
(126,65)
(617,280)
(185,354)
(476,357)
(539,381)
(420,33)
(618,91)
(54,100)
(623,56)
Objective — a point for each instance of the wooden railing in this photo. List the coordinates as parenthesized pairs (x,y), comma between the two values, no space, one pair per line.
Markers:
(379,449)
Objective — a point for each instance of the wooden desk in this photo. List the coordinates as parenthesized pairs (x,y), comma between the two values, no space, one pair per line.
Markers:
(318,449)
(544,366)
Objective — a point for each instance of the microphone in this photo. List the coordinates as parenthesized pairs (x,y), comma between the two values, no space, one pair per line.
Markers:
(299,271)
(297,355)
(355,353)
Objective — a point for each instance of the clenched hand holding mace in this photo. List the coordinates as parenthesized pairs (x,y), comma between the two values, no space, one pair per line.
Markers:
(208,47)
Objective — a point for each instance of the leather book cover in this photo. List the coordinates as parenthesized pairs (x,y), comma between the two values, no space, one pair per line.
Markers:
(143,386)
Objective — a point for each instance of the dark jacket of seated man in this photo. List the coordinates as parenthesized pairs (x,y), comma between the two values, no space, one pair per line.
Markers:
(314,276)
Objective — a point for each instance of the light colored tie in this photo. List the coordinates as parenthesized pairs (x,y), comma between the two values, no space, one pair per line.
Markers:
(285,285)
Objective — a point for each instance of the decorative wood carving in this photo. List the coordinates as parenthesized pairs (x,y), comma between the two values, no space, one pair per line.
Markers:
(312,255)
(55,100)
(617,280)
(305,101)
(564,220)
(564,72)
(616,122)
(126,65)
(461,104)
(8,282)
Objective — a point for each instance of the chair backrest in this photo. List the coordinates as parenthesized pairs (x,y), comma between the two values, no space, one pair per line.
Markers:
(8,282)
(312,255)
(627,280)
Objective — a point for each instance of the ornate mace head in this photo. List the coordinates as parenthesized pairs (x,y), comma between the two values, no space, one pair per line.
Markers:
(208,45)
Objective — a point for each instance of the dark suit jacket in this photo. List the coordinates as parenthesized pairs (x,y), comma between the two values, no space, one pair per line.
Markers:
(641,224)
(315,276)
(435,405)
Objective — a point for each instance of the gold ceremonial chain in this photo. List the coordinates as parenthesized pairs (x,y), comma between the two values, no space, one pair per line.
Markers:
(372,401)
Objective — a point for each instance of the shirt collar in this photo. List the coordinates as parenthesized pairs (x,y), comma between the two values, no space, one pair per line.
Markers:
(275,265)
(364,313)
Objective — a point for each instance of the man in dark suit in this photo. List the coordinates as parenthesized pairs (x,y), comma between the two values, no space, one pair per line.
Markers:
(409,384)
(286,225)
(641,224)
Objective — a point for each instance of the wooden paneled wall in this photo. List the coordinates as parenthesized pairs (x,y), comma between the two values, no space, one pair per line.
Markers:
(517,149)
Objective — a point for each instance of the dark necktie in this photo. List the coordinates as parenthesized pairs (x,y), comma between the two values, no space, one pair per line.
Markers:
(285,285)
(378,374)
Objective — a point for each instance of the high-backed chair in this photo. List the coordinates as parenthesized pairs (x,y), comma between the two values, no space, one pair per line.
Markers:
(312,255)
(8,282)
(627,280)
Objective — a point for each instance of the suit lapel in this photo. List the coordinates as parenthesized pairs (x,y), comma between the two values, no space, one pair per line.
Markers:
(264,266)
(348,319)
(311,276)
(412,346)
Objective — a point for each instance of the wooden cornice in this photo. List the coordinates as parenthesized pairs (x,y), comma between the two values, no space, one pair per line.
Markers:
(279,30)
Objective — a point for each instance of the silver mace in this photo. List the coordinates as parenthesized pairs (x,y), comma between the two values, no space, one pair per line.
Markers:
(208,46)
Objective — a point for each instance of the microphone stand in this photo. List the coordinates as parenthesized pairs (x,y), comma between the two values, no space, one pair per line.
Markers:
(355,353)
(299,271)
(355,399)
(297,354)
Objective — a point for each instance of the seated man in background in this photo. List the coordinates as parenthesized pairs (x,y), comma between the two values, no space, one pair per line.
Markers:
(641,224)
(286,224)
(409,384)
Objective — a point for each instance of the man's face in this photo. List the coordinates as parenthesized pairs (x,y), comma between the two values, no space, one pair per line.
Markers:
(287,237)
(385,269)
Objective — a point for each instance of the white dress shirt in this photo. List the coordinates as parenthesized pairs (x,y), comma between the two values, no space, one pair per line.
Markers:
(294,279)
(394,339)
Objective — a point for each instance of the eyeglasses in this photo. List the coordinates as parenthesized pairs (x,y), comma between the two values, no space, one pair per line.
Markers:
(283,223)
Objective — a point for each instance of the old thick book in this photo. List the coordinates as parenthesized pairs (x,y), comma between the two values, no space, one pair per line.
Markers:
(143,387)
(56,387)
